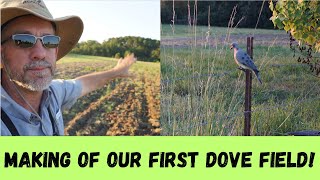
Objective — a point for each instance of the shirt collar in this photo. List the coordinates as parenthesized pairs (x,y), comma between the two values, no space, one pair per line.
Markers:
(16,110)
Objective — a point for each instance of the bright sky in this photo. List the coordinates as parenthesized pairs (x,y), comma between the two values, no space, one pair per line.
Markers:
(104,19)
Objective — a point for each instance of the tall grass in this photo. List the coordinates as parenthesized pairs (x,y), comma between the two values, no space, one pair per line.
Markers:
(203,91)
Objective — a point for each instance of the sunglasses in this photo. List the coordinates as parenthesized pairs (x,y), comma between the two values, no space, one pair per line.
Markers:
(29,40)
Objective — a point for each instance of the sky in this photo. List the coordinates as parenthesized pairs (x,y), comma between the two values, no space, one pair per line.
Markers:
(104,19)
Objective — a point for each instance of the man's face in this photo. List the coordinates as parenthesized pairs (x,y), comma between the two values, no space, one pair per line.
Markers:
(30,68)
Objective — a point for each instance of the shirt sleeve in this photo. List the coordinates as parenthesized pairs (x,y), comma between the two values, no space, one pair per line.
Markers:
(66,92)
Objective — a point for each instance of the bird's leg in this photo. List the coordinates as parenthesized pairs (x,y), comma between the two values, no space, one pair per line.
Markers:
(240,68)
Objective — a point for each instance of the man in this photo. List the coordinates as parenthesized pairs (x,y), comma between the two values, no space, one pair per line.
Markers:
(31,43)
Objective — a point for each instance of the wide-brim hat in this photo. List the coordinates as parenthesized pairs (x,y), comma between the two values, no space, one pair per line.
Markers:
(69,28)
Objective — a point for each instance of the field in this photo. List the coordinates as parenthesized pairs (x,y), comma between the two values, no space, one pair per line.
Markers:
(202,91)
(122,107)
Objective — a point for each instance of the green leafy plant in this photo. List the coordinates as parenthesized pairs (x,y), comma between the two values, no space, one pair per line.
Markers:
(300,19)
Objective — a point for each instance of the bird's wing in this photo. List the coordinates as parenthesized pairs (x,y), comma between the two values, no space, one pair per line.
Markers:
(244,58)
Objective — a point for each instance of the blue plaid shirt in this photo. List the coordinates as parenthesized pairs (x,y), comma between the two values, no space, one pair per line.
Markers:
(61,94)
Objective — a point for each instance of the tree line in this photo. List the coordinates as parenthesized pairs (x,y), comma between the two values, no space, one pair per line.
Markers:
(220,12)
(145,49)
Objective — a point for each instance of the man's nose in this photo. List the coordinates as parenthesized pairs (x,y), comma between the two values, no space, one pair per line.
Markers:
(38,51)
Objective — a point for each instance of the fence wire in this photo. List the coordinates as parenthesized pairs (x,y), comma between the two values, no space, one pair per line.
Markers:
(170,81)
(167,81)
(238,114)
(232,115)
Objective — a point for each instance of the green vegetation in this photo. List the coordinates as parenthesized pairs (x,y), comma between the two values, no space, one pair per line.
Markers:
(72,58)
(183,31)
(203,91)
(145,49)
(121,107)
(301,18)
(220,12)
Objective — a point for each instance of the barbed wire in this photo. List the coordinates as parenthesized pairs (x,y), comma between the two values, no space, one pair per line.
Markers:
(167,81)
(233,115)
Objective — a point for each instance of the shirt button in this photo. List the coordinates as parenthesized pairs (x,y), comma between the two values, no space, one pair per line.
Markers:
(34,119)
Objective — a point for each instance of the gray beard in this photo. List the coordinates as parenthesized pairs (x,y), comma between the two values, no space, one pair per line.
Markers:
(41,82)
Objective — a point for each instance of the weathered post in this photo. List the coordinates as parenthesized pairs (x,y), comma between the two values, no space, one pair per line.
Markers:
(247,102)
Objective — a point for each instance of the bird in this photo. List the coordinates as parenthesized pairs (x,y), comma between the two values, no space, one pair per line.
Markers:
(244,61)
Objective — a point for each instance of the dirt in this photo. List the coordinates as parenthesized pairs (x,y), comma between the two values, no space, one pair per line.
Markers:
(123,107)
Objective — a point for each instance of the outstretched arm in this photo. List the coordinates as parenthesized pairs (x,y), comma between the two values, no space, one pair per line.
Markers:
(96,80)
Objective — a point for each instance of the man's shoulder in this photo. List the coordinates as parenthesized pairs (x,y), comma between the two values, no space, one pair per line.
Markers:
(57,82)
(66,91)
(62,83)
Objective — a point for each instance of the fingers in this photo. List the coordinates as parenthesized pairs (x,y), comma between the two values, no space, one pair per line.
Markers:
(131,58)
(119,61)
(124,65)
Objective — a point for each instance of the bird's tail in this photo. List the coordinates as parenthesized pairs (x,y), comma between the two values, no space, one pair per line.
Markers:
(256,72)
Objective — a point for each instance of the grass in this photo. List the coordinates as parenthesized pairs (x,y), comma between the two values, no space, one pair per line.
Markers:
(187,31)
(72,58)
(203,91)
(108,62)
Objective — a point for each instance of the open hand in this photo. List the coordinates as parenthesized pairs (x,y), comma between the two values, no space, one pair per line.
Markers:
(122,68)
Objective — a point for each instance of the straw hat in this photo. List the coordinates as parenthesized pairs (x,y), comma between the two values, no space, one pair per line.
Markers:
(69,28)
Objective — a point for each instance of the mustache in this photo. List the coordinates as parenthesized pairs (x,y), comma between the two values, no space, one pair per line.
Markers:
(37,64)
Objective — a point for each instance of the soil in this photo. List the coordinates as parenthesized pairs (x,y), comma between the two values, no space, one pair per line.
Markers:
(123,107)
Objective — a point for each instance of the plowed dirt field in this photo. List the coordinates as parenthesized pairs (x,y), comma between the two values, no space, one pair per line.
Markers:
(122,107)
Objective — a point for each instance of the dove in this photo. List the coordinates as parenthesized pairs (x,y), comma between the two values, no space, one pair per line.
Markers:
(243,60)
